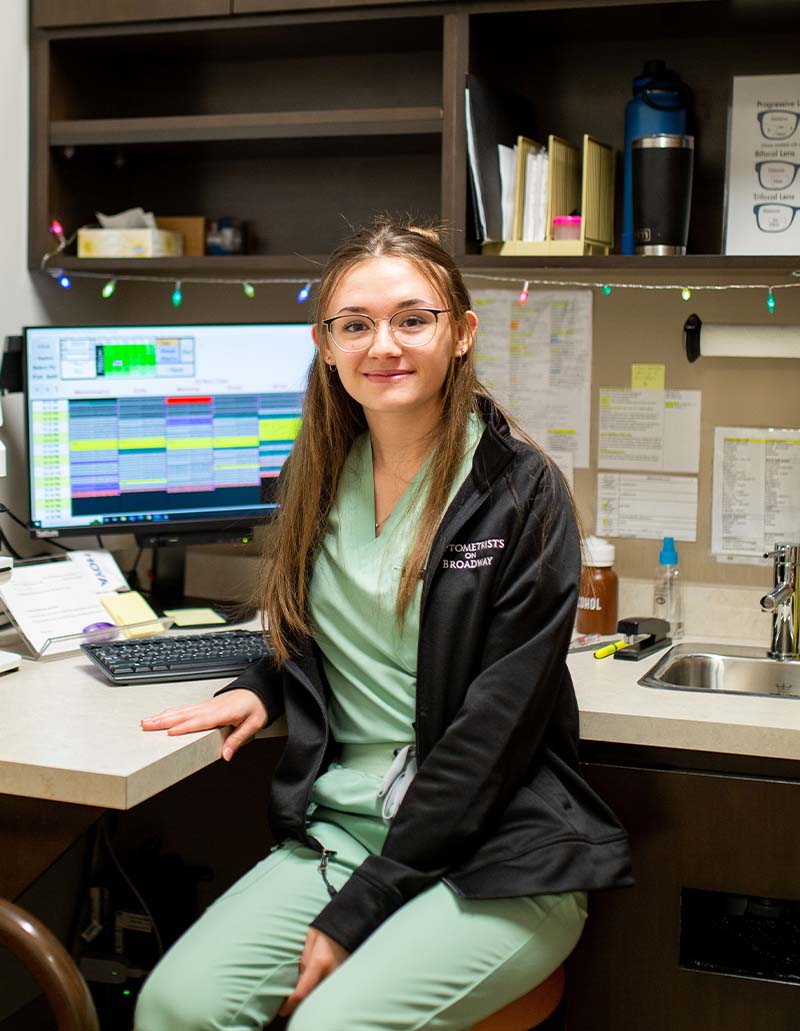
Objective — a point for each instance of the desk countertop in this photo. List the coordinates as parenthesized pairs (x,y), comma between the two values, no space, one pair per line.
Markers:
(69,736)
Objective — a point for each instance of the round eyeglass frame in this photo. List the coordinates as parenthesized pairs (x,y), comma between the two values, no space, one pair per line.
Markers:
(436,312)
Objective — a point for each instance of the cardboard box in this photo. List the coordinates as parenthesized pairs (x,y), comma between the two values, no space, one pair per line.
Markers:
(129,243)
(193,228)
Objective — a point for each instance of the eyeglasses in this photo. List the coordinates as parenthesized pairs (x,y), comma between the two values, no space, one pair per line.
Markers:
(777,125)
(774,218)
(776,175)
(413,327)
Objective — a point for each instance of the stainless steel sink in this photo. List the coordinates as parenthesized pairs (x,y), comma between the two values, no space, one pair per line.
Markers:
(730,669)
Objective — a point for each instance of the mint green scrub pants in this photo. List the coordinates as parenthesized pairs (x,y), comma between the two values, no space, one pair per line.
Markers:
(440,962)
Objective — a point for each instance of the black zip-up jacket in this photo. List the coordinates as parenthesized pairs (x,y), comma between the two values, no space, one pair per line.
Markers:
(498,807)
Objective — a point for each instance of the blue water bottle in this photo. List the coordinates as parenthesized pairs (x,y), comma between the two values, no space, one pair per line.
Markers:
(659,104)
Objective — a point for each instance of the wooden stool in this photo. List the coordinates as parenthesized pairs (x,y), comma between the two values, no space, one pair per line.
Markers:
(43,954)
(531,1010)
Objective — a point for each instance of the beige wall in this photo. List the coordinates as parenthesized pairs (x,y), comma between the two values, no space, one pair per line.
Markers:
(643,326)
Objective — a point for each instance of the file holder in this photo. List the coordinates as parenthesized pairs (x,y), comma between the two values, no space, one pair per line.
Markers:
(584,182)
(64,644)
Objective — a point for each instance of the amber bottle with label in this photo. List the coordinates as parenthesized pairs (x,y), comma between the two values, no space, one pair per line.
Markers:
(597,604)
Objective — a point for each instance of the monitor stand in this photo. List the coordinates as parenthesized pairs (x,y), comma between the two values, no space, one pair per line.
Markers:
(169,572)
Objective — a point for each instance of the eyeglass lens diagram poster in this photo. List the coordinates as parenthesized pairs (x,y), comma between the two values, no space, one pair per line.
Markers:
(763,187)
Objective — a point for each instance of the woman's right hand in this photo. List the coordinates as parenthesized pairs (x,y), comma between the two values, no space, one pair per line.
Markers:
(241,709)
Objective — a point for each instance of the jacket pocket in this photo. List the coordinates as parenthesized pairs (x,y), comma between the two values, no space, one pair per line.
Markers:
(547,787)
(530,822)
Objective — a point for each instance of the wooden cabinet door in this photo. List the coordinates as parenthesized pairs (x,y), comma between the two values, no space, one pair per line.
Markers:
(54,13)
(716,833)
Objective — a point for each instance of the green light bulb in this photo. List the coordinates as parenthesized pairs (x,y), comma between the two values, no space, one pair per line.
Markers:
(606,290)
(249,289)
(109,288)
(686,293)
(771,303)
(177,296)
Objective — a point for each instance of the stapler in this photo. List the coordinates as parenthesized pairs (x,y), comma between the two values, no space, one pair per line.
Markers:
(644,636)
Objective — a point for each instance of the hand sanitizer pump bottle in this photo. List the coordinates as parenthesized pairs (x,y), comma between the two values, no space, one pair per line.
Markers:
(668,593)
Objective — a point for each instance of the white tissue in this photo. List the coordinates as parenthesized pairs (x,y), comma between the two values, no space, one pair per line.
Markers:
(133,218)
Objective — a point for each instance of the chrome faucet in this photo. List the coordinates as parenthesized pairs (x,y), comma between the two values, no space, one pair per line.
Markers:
(782,601)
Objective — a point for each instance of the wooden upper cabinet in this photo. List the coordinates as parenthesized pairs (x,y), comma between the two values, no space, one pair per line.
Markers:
(46,14)
(272,6)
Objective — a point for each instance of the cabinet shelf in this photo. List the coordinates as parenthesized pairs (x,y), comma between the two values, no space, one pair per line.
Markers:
(639,264)
(310,264)
(233,265)
(266,125)
(301,122)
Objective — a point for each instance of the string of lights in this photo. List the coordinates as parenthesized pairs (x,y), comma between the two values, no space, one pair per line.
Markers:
(248,285)
(606,288)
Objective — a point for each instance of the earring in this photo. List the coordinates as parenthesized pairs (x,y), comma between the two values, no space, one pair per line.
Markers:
(331,367)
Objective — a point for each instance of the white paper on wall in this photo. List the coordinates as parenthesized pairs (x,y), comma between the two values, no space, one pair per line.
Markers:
(646,507)
(756,492)
(649,430)
(537,358)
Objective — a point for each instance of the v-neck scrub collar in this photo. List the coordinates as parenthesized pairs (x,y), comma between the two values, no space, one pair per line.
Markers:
(370,662)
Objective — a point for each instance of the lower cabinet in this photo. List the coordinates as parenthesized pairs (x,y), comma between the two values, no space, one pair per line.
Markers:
(709,938)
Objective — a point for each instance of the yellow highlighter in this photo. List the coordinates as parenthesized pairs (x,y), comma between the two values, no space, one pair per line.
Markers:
(609,649)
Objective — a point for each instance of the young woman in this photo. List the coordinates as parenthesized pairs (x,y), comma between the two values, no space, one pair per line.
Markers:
(436,839)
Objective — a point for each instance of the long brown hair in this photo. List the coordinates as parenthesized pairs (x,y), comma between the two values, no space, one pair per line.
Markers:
(331,422)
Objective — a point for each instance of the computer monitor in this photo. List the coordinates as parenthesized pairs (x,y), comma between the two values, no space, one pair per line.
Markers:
(173,433)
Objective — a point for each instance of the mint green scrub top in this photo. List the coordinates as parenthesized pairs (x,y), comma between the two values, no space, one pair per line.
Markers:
(370,662)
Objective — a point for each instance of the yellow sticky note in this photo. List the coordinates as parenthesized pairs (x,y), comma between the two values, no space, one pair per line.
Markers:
(129,607)
(194,617)
(648,377)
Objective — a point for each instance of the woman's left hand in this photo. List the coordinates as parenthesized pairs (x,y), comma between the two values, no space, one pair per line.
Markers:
(321,956)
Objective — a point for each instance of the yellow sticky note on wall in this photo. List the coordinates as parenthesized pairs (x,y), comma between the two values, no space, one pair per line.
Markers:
(648,377)
(129,607)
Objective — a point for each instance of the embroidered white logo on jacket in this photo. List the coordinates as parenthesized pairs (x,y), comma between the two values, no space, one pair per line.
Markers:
(471,554)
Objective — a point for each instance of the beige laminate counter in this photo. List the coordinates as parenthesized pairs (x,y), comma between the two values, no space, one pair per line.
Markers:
(615,708)
(69,736)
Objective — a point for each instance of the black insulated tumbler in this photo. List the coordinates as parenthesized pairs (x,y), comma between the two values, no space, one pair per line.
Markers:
(662,192)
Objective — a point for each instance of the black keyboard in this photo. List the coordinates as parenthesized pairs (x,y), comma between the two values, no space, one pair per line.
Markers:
(187,657)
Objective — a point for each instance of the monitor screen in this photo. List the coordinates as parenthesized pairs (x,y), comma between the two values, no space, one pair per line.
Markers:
(160,428)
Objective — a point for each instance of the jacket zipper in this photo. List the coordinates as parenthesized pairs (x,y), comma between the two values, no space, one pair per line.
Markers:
(434,557)
(323,869)
(312,842)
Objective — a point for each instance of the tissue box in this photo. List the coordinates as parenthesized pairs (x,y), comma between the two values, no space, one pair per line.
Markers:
(193,228)
(129,243)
